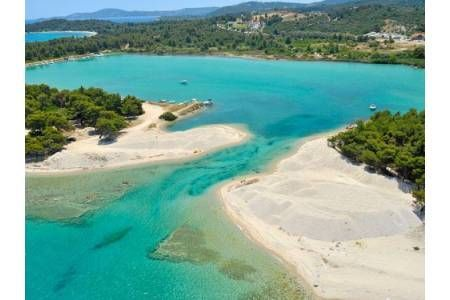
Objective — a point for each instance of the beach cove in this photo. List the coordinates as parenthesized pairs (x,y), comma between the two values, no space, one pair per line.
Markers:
(121,246)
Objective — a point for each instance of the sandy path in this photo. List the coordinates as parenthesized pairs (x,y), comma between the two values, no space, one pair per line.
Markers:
(349,234)
(140,144)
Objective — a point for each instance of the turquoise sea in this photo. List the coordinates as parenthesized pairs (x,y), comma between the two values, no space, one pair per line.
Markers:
(31,37)
(158,231)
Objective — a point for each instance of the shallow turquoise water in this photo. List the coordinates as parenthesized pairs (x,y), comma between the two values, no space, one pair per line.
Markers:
(31,37)
(279,102)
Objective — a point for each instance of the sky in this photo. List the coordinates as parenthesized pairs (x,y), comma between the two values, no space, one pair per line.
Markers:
(52,8)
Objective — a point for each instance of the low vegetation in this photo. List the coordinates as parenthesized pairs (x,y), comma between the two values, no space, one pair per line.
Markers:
(50,114)
(392,143)
(168,116)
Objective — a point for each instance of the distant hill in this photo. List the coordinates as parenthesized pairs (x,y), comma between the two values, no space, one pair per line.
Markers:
(337,3)
(407,3)
(331,2)
(246,7)
(256,6)
(114,13)
(109,13)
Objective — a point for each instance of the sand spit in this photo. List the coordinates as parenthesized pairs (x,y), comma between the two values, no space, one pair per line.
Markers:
(348,233)
(143,142)
(66,58)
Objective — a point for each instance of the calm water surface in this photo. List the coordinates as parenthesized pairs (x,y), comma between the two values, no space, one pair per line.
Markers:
(109,253)
(31,37)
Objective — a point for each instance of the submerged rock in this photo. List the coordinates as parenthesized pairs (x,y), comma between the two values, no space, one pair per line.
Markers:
(281,287)
(186,244)
(236,269)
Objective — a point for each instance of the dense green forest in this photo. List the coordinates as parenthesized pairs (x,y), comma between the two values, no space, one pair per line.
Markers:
(393,141)
(333,34)
(320,5)
(356,20)
(51,113)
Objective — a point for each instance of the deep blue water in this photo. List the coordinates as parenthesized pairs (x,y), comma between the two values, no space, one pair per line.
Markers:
(278,101)
(136,19)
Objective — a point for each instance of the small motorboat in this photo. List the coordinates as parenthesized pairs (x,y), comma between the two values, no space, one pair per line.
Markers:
(184,82)
(372,107)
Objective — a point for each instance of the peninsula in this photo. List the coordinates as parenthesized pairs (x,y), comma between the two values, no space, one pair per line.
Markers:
(88,128)
(348,233)
(144,141)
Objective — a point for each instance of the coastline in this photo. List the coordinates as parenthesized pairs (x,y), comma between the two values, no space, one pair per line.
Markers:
(145,142)
(366,262)
(67,58)
(218,54)
(91,33)
(255,236)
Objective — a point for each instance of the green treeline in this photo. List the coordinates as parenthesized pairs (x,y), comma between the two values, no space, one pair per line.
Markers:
(338,31)
(98,26)
(51,113)
(393,141)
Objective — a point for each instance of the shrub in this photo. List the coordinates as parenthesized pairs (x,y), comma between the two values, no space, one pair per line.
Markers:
(44,144)
(109,124)
(131,107)
(168,116)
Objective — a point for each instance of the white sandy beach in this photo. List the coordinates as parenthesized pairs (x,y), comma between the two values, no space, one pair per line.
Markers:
(348,233)
(145,141)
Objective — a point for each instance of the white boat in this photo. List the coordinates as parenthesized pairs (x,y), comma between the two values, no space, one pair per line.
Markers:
(372,107)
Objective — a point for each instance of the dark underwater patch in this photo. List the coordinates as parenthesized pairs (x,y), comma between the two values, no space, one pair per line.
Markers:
(282,287)
(66,278)
(186,244)
(236,269)
(112,238)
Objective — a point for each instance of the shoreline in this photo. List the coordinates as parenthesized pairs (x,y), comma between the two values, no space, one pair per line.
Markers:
(68,58)
(145,143)
(273,166)
(249,231)
(91,33)
(255,237)
(303,59)
(316,266)
(142,163)
(218,54)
